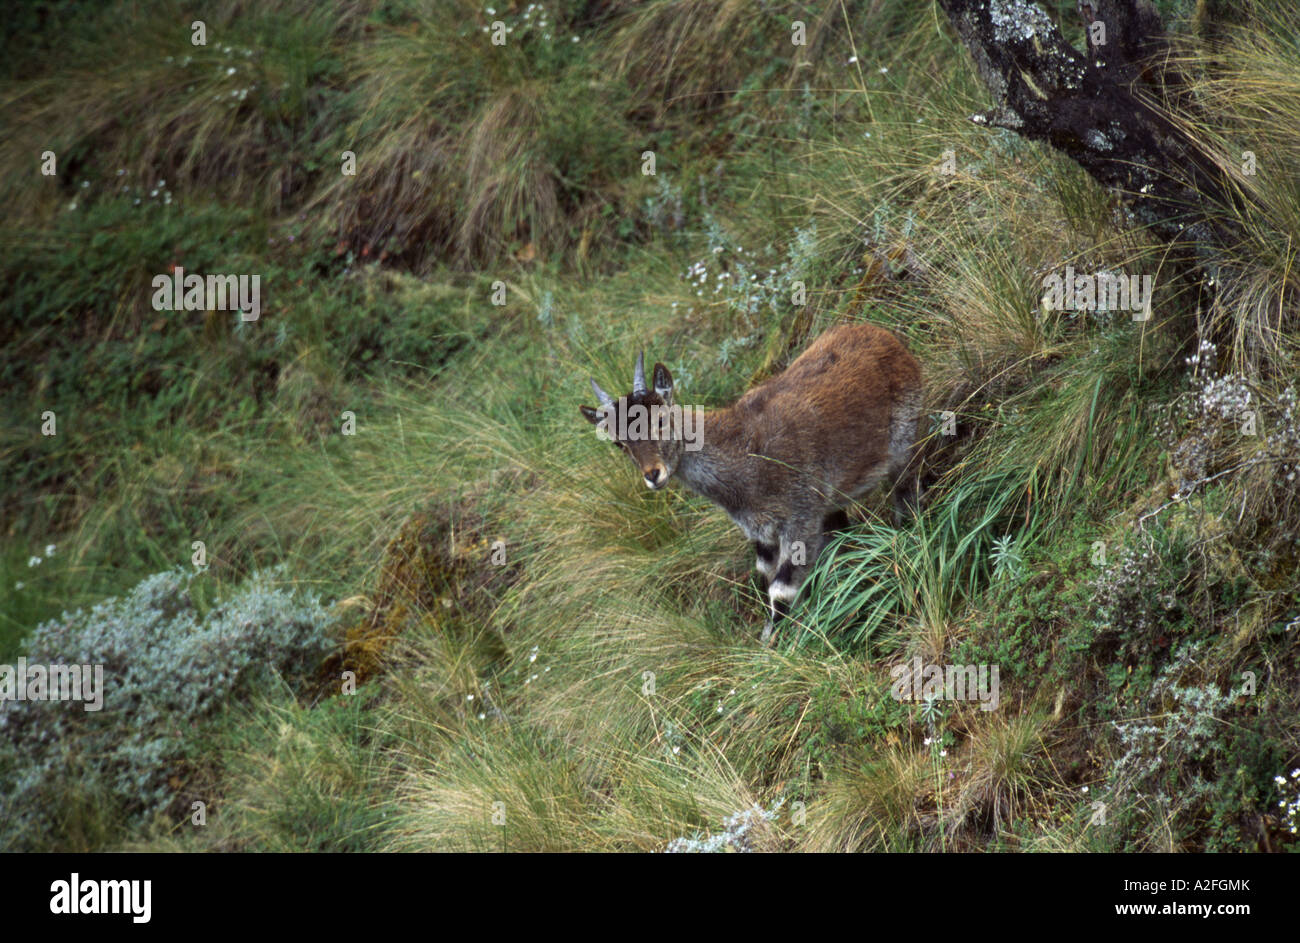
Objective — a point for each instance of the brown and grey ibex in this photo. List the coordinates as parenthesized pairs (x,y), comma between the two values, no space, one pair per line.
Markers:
(787,458)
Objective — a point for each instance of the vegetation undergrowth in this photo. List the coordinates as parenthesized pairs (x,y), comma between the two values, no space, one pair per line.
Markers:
(523,649)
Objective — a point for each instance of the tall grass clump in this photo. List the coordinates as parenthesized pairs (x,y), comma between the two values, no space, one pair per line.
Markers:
(876,576)
(74,777)
(247,113)
(470,150)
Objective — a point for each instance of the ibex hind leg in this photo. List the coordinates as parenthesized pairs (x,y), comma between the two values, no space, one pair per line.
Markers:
(907,496)
(835,521)
(766,559)
(904,458)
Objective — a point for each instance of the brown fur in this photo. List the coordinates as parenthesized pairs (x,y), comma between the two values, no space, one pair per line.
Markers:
(793,452)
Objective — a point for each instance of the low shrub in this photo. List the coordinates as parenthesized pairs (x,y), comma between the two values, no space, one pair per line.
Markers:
(167,668)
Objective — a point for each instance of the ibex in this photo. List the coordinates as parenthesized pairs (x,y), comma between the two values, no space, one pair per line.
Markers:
(787,458)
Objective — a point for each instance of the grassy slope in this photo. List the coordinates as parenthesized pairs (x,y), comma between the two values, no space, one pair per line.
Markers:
(606,685)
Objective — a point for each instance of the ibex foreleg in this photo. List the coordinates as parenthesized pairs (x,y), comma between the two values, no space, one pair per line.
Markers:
(798,551)
(766,557)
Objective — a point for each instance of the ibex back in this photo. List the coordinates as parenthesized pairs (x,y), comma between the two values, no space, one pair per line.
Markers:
(787,458)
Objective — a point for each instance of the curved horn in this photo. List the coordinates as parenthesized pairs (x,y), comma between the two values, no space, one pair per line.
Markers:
(638,375)
(605,398)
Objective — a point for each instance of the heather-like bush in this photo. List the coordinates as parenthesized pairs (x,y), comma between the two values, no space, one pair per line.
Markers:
(1194,753)
(166,668)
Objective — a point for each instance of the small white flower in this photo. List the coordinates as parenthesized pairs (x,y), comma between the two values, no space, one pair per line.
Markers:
(49,550)
(884,69)
(33,561)
(852,60)
(19,585)
(469,697)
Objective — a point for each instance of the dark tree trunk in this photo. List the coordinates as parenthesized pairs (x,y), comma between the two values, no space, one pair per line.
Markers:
(1112,109)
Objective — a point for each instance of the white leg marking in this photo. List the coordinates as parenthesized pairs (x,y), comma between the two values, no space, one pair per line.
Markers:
(782,591)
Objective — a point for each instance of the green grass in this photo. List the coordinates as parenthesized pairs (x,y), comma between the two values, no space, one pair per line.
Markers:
(606,685)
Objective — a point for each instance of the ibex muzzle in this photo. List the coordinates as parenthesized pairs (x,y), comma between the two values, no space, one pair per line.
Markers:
(787,458)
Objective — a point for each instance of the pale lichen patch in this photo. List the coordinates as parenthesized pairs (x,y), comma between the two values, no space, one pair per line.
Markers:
(1018,20)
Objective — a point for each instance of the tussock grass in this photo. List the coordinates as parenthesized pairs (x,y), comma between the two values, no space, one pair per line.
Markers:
(607,687)
(496,149)
(1006,771)
(1246,86)
(872,806)
(197,116)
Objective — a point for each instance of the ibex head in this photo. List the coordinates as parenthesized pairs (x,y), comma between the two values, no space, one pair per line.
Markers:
(642,423)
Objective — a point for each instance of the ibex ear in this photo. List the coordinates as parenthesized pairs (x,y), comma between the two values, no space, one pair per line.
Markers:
(591,414)
(663,381)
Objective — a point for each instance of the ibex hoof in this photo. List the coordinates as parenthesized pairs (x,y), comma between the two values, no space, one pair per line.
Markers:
(766,637)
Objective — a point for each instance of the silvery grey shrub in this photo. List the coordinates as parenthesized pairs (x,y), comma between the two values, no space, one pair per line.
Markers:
(166,668)
(735,835)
